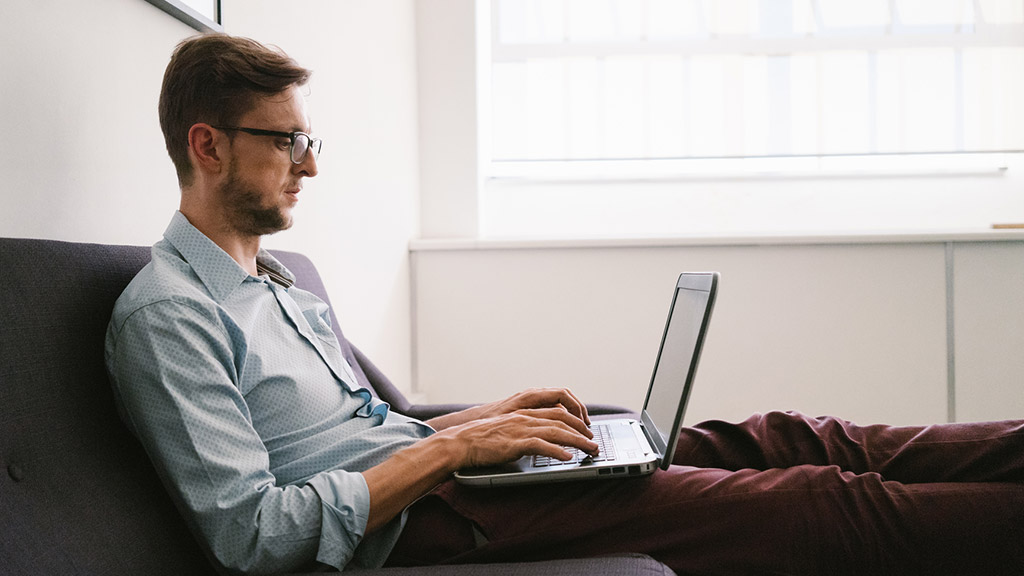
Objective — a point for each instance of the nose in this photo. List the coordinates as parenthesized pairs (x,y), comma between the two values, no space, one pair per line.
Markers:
(308,166)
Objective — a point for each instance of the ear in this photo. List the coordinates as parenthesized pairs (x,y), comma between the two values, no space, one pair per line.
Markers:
(205,146)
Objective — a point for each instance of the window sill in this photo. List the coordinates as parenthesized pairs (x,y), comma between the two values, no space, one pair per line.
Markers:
(771,239)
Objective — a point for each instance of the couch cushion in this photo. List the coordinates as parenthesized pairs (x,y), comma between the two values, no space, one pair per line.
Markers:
(77,493)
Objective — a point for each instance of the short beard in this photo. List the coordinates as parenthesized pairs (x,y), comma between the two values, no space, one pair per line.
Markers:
(247,213)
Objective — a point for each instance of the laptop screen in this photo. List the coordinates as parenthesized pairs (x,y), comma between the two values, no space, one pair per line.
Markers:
(680,350)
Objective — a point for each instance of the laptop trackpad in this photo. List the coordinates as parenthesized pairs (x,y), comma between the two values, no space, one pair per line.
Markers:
(624,437)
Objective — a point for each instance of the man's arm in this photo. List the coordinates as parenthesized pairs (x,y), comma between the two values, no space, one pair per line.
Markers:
(414,471)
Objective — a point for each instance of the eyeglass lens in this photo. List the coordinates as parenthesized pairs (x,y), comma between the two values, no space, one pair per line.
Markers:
(301,145)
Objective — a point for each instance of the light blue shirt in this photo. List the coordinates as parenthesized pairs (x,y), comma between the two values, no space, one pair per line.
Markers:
(238,390)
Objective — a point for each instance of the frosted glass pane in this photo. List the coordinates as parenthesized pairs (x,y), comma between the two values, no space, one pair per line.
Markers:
(522,21)
(1002,11)
(1012,62)
(983,108)
(845,88)
(854,14)
(584,112)
(756,117)
(674,18)
(804,103)
(665,103)
(889,102)
(775,18)
(930,111)
(624,88)
(545,104)
(706,107)
(734,90)
(730,16)
(777,115)
(512,21)
(630,20)
(803,18)
(547,21)
(590,20)
(508,111)
(935,12)
(992,98)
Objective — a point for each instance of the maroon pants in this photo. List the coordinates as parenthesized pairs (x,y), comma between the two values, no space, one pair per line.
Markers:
(779,493)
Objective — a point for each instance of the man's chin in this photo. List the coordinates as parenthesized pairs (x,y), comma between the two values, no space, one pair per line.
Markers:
(267,222)
(280,227)
(284,226)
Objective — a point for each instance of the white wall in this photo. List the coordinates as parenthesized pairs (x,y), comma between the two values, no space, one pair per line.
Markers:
(989,302)
(83,159)
(853,327)
(446,57)
(82,156)
(861,334)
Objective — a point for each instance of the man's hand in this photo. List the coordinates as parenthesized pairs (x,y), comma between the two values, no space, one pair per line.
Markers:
(510,436)
(528,399)
(539,398)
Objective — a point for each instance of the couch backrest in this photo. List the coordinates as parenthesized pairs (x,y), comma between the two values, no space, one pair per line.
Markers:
(77,493)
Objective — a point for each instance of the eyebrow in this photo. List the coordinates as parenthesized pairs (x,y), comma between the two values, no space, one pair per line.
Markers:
(295,129)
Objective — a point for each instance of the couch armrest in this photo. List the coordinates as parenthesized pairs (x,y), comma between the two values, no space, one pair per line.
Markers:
(428,411)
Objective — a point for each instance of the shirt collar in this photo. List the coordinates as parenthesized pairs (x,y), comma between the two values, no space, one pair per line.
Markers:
(215,268)
(269,266)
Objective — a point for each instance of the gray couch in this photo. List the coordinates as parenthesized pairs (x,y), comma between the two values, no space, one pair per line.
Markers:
(77,493)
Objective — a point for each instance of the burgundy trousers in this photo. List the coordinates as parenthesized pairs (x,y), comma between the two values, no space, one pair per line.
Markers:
(780,493)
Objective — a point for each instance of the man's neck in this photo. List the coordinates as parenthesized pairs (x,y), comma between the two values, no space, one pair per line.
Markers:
(242,248)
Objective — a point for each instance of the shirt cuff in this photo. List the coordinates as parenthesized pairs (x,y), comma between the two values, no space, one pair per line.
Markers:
(345,509)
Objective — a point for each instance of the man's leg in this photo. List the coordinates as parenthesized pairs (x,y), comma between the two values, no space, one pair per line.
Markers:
(800,520)
(972,452)
(817,507)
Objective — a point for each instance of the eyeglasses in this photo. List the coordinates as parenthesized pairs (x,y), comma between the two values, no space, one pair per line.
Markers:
(299,142)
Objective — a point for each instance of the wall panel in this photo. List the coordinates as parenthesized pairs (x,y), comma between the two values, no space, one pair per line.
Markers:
(852,330)
(989,335)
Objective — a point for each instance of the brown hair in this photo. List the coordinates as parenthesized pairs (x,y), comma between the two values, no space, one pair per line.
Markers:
(215,78)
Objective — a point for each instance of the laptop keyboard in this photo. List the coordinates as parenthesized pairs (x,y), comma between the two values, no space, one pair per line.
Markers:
(606,450)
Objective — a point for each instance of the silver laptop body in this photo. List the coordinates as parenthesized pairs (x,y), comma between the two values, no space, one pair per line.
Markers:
(635,447)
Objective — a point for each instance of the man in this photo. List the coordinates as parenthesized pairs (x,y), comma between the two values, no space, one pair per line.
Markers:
(233,380)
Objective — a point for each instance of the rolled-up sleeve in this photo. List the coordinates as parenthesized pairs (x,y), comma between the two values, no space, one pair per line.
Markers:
(174,367)
(344,512)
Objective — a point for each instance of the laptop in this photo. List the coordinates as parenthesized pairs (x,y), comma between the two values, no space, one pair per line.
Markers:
(630,447)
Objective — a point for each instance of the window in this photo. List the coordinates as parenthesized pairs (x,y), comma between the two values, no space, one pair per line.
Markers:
(660,86)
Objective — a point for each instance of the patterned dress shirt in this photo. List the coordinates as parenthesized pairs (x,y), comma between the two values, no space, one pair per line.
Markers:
(237,388)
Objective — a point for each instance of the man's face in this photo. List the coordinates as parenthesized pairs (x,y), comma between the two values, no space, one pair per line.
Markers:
(262,183)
